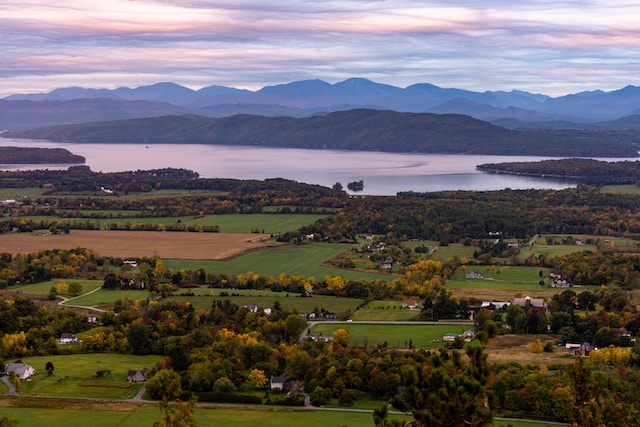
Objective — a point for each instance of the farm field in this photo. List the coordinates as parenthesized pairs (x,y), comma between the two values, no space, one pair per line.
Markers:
(287,301)
(385,311)
(396,336)
(265,223)
(512,278)
(215,416)
(38,192)
(518,349)
(43,288)
(75,375)
(625,189)
(295,260)
(124,244)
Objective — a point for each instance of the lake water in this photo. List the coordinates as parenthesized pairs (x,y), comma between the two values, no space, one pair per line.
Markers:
(382,173)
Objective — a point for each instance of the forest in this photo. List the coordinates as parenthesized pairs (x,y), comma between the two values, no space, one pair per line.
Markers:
(32,155)
(358,129)
(585,170)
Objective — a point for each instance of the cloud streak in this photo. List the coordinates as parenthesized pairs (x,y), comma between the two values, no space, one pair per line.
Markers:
(551,47)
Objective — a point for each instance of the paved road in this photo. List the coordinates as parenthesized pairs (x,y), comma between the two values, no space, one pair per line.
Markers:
(12,389)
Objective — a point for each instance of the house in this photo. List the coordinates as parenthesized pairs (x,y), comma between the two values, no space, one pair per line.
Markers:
(410,304)
(583,350)
(251,307)
(561,283)
(67,338)
(137,375)
(319,338)
(469,335)
(291,386)
(528,301)
(449,337)
(277,383)
(474,274)
(22,370)
(131,261)
(497,305)
(328,315)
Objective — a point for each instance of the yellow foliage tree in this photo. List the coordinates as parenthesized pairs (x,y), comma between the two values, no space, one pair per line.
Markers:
(537,346)
(258,378)
(341,337)
(14,344)
(62,287)
(335,283)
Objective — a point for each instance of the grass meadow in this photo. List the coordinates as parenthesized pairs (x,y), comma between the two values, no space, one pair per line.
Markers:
(218,417)
(385,311)
(396,336)
(232,223)
(75,375)
(298,260)
(505,277)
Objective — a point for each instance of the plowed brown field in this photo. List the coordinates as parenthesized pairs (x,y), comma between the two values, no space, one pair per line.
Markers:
(131,244)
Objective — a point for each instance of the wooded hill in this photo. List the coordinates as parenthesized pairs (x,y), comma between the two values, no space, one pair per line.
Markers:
(361,130)
(587,170)
(24,155)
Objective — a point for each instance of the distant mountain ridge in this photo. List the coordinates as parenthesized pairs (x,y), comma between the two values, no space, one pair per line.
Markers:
(305,98)
(357,129)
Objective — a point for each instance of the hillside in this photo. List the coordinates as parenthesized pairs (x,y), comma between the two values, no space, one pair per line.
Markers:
(514,109)
(24,155)
(362,130)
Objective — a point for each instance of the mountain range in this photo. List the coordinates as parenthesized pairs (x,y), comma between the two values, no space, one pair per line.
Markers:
(595,110)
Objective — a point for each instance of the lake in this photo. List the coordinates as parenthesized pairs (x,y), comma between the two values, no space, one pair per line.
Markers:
(382,173)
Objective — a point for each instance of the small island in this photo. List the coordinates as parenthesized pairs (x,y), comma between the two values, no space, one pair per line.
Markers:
(34,155)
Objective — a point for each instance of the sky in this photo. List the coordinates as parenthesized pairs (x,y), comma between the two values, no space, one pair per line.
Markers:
(551,47)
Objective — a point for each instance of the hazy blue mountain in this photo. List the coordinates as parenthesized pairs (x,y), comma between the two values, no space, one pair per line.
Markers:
(25,114)
(308,97)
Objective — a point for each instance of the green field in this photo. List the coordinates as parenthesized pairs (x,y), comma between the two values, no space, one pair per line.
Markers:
(625,189)
(232,223)
(73,372)
(385,311)
(506,277)
(301,260)
(43,288)
(218,417)
(203,298)
(399,335)
(287,301)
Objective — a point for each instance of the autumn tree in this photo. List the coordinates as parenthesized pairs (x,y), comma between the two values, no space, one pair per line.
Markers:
(445,393)
(258,378)
(178,414)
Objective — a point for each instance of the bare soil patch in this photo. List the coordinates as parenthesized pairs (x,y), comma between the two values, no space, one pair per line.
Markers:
(125,244)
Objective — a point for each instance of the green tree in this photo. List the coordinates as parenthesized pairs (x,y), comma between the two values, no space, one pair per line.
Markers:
(299,364)
(224,385)
(139,338)
(165,384)
(295,325)
(75,288)
(8,422)
(445,394)
(178,414)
